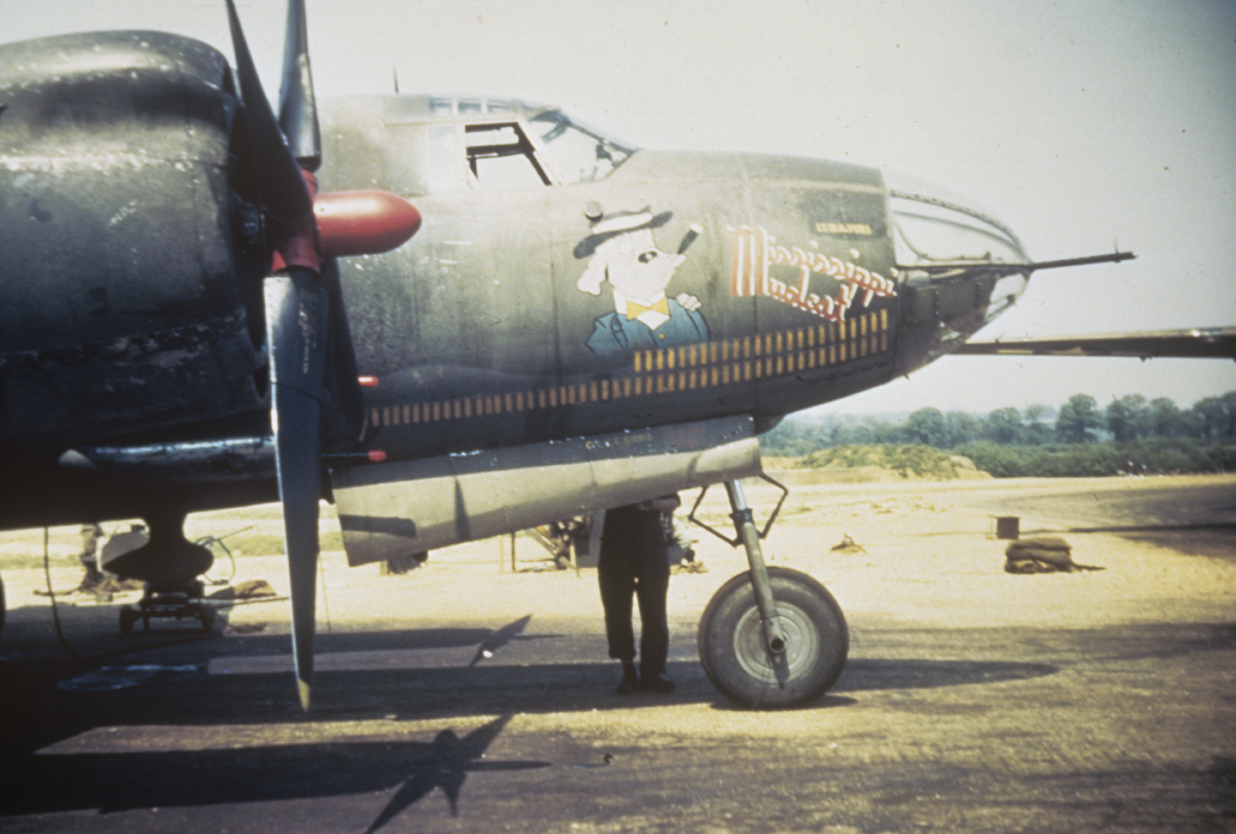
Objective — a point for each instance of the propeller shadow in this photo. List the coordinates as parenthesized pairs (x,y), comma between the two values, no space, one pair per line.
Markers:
(505,636)
(446,765)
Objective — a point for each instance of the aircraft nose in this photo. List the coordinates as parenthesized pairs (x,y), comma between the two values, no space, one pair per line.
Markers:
(947,250)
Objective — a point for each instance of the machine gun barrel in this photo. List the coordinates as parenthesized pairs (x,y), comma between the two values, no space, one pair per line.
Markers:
(951,268)
(1114,257)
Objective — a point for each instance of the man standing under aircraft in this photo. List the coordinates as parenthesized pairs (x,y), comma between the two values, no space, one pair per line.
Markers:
(91,534)
(634,561)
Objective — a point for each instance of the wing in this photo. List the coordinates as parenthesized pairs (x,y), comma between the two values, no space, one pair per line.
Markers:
(1196,343)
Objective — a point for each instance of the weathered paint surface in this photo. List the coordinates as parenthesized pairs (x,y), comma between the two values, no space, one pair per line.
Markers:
(585,296)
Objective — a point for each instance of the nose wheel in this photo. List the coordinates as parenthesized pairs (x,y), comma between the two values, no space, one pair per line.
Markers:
(738,660)
(771,637)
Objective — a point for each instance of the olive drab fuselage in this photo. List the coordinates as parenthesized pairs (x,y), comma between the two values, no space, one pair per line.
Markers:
(563,285)
(512,316)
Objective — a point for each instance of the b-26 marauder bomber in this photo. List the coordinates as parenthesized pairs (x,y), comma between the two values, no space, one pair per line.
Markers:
(205,305)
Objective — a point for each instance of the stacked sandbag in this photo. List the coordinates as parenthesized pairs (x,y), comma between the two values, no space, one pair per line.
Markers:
(1044,554)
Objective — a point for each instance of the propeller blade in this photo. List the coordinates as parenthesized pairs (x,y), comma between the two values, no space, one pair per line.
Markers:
(298,111)
(283,187)
(297,313)
(342,376)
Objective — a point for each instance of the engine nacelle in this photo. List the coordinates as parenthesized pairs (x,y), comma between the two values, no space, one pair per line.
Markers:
(131,264)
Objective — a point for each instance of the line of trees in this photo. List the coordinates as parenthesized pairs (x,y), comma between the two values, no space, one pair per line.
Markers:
(1077,438)
(1080,420)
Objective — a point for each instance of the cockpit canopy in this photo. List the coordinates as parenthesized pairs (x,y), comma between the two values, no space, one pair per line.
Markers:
(435,144)
(549,149)
(576,152)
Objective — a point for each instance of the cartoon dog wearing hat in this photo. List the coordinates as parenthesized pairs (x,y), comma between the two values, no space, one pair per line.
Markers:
(624,253)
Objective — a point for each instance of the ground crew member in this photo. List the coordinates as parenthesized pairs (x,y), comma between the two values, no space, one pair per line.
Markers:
(91,533)
(634,561)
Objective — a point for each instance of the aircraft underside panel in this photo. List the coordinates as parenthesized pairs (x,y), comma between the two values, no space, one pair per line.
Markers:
(403,507)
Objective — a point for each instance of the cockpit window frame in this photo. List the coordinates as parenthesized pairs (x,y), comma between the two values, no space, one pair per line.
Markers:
(458,116)
(526,146)
(565,122)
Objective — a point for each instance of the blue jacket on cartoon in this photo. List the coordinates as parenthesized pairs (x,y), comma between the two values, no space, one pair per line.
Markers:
(616,332)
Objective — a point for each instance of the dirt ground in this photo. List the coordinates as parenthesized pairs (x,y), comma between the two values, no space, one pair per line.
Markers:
(464,697)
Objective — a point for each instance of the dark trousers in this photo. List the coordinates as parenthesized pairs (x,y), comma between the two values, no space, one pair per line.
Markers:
(633,563)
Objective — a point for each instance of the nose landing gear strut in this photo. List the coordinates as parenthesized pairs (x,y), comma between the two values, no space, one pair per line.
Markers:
(772,637)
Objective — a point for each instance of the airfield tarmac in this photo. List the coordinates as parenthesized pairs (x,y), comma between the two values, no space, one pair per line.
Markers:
(463,697)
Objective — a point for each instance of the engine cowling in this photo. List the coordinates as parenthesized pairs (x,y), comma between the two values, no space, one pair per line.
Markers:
(132,256)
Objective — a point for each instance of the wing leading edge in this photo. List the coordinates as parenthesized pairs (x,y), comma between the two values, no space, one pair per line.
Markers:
(1194,343)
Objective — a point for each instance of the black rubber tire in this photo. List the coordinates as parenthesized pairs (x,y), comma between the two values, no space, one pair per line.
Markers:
(732,650)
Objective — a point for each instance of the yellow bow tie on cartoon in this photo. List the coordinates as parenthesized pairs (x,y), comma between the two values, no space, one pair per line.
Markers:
(634,310)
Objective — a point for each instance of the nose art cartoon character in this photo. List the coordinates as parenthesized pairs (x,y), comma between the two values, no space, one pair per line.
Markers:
(624,253)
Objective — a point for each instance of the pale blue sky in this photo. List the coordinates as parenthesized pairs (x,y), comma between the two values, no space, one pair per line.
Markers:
(1079,125)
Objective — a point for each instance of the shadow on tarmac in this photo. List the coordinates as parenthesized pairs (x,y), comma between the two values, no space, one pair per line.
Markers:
(43,700)
(111,783)
(45,697)
(54,781)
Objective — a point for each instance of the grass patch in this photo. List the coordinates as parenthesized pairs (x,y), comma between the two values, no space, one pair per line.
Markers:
(920,461)
(17,561)
(271,544)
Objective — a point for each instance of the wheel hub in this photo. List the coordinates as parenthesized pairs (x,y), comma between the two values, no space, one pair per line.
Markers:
(800,651)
